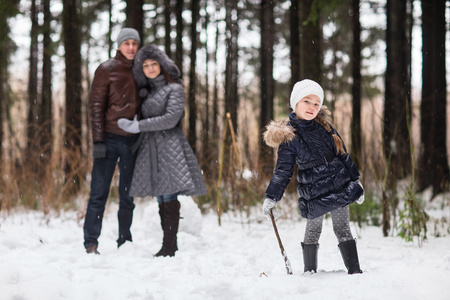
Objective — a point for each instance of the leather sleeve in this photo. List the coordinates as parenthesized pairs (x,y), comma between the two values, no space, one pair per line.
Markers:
(97,103)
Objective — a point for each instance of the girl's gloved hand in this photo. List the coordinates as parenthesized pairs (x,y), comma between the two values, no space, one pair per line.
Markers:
(361,199)
(269,205)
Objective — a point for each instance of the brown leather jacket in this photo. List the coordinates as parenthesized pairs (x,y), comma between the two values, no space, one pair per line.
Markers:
(114,95)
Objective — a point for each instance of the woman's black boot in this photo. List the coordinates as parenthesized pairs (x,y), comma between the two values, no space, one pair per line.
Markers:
(169,222)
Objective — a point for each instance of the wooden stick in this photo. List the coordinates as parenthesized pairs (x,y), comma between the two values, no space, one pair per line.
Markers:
(286,259)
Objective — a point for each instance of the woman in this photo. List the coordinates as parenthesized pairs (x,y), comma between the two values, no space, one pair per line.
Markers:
(165,165)
(328,181)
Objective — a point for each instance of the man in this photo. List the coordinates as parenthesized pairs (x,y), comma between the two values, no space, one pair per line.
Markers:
(113,96)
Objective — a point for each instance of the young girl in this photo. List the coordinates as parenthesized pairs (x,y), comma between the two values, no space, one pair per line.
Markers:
(165,165)
(328,181)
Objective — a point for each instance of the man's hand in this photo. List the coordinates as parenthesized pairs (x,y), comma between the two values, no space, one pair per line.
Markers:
(99,150)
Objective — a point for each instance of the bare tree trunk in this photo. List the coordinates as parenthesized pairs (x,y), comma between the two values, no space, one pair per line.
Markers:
(4,54)
(311,40)
(206,160)
(72,47)
(231,68)
(294,24)
(356,86)
(135,16)
(6,47)
(231,98)
(397,106)
(433,168)
(179,38)
(267,86)
(192,132)
(46,110)
(33,101)
(215,106)
(167,27)
(110,26)
(3,73)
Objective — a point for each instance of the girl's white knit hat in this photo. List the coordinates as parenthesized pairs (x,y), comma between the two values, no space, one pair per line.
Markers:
(304,88)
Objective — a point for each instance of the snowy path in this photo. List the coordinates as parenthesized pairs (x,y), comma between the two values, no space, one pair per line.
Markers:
(47,261)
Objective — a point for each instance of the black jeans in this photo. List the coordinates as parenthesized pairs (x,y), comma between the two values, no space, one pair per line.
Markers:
(118,149)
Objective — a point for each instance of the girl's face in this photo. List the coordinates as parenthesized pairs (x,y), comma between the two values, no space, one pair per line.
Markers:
(151,68)
(308,107)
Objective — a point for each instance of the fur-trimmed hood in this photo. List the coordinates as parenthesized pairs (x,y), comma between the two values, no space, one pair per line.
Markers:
(283,132)
(153,52)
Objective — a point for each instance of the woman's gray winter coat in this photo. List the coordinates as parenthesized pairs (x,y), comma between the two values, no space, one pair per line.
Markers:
(165,162)
(326,180)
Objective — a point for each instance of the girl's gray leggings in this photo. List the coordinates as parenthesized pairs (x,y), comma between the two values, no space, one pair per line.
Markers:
(341,226)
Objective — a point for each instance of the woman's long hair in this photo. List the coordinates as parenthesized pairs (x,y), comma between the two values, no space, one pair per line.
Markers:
(167,75)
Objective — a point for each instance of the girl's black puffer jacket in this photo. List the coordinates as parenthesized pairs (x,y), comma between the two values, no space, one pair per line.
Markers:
(326,180)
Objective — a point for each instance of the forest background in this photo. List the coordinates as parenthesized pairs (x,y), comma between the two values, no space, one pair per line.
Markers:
(382,65)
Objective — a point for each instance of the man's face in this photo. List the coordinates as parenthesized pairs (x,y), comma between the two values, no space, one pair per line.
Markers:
(129,48)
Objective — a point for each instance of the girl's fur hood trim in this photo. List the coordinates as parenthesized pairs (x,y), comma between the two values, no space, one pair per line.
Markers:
(282,132)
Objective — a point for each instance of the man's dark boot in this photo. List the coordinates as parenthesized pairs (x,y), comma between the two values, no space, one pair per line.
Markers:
(350,256)
(92,249)
(170,222)
(310,257)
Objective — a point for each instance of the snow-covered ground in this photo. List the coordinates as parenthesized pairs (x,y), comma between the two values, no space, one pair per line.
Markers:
(46,260)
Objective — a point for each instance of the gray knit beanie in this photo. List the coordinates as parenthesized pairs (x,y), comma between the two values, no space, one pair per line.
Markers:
(126,34)
(304,88)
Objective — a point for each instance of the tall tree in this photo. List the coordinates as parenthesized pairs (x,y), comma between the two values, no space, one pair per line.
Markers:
(433,169)
(231,85)
(109,7)
(72,57)
(167,27)
(267,82)
(179,38)
(397,104)
(311,37)
(9,8)
(356,86)
(294,23)
(135,16)
(32,124)
(192,132)
(46,112)
(231,67)
(215,99)
(206,160)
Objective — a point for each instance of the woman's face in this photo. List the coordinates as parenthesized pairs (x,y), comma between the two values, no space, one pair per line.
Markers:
(151,68)
(308,107)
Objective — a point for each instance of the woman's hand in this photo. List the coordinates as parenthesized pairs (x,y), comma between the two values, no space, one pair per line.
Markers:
(131,126)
